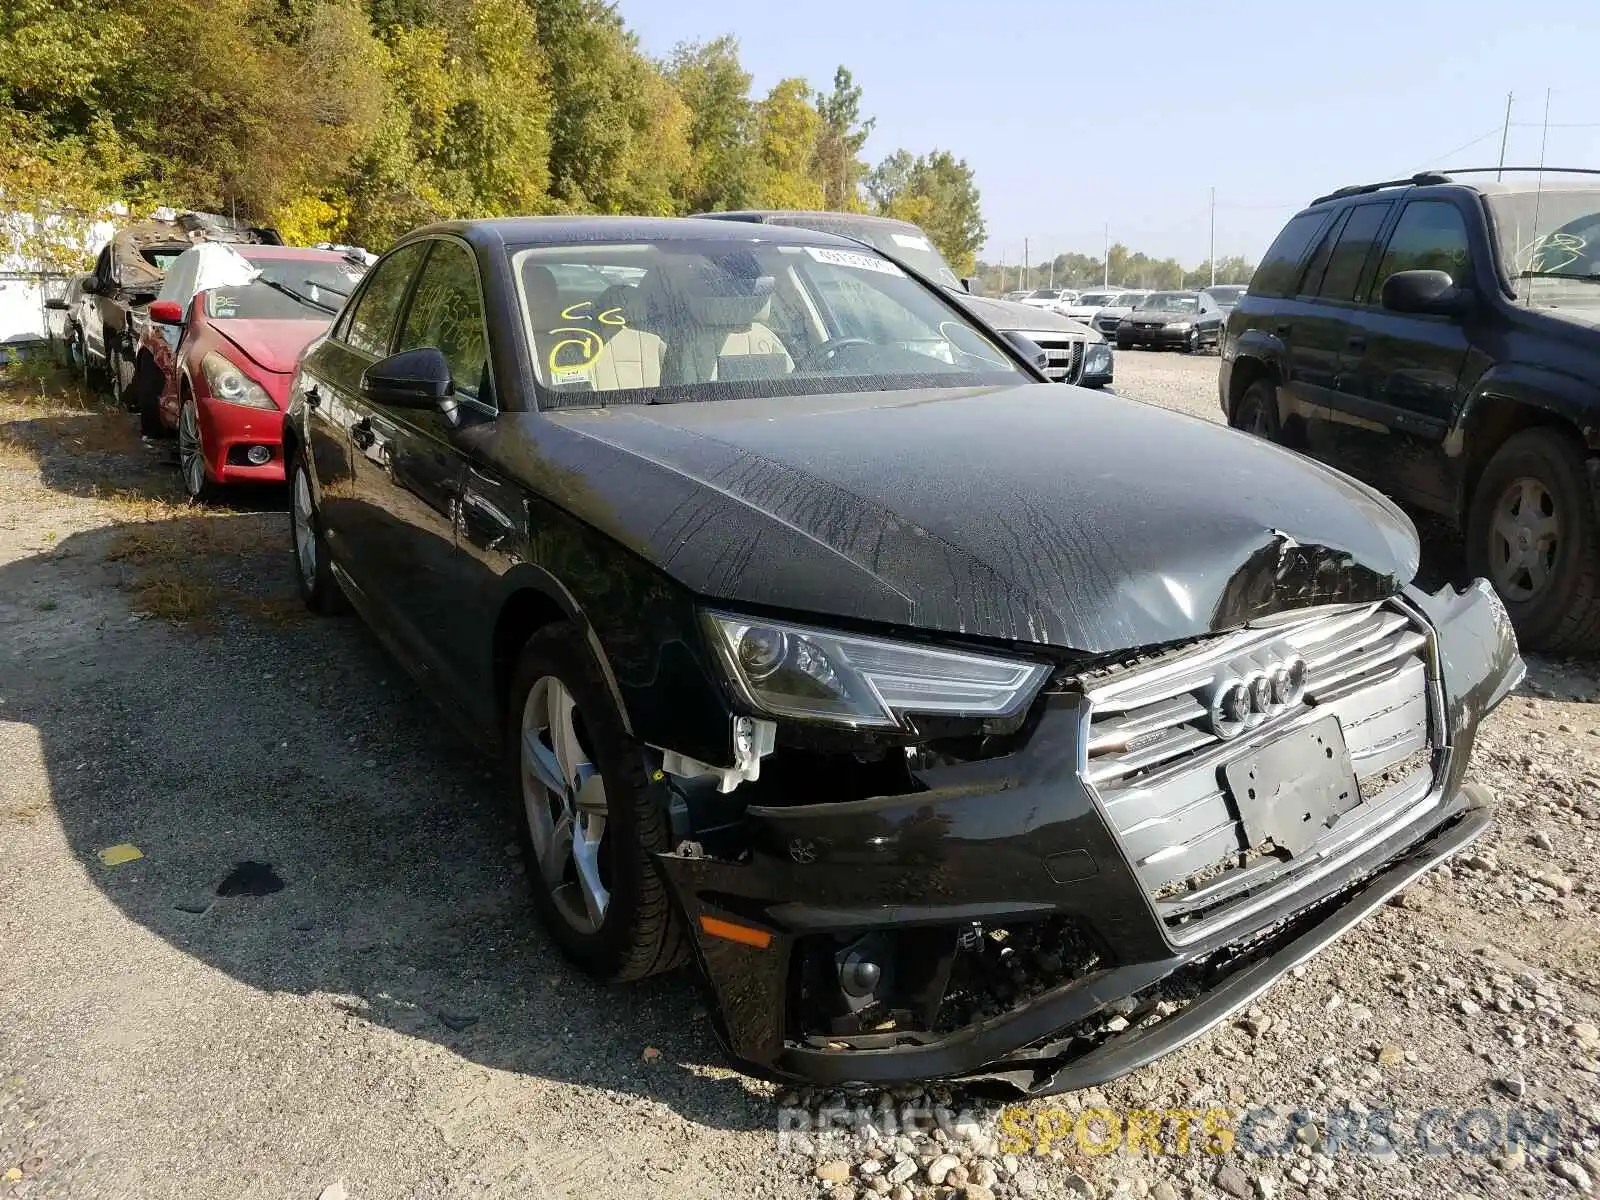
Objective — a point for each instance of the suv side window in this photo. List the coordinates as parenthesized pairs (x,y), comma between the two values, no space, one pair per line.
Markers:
(1350,256)
(1312,279)
(1280,268)
(370,326)
(1431,235)
(446,312)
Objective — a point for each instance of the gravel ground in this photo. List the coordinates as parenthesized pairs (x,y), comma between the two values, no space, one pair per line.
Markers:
(384,1019)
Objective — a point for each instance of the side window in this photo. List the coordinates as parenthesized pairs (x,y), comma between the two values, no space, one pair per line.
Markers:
(1431,235)
(1318,266)
(1349,258)
(371,322)
(1280,269)
(447,312)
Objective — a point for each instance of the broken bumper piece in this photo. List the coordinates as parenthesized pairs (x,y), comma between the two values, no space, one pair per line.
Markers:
(993,930)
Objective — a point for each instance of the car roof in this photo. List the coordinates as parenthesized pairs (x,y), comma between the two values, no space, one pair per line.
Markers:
(784,215)
(494,232)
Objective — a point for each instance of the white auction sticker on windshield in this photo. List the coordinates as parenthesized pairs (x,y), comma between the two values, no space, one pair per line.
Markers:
(911,241)
(849,258)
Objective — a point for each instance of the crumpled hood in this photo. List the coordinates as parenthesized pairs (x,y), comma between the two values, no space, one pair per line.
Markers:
(274,345)
(1037,513)
(1012,314)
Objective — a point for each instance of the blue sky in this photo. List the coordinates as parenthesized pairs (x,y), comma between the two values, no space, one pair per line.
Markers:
(1075,115)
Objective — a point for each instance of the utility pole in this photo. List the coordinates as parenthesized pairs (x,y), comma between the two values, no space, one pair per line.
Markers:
(1105,262)
(1029,283)
(1212,252)
(1052,282)
(1505,132)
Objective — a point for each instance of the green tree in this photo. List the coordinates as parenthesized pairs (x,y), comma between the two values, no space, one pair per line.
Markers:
(936,191)
(786,129)
(619,131)
(837,161)
(717,91)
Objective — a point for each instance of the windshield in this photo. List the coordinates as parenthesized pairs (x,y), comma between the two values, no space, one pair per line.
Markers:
(903,243)
(1549,242)
(1171,302)
(319,287)
(721,319)
(1045,294)
(1097,299)
(1228,297)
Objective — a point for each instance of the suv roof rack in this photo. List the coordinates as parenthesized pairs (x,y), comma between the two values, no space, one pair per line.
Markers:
(1420,179)
(1525,170)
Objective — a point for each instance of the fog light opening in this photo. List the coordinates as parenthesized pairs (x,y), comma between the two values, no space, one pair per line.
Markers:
(258,456)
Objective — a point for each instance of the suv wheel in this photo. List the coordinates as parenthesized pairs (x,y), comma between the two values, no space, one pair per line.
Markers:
(1532,532)
(1257,410)
(592,818)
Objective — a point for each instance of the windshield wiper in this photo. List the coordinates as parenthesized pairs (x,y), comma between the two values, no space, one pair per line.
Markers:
(1557,275)
(294,295)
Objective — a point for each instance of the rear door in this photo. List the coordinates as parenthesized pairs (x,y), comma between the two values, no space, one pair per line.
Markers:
(408,470)
(331,380)
(1401,371)
(1322,330)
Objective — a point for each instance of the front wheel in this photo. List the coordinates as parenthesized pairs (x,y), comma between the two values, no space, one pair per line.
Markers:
(1531,530)
(197,484)
(1191,344)
(592,819)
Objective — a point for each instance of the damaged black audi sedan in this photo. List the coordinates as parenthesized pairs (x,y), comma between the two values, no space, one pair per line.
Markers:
(957,724)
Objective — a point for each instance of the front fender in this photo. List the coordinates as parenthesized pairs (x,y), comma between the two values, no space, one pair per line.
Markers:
(1567,396)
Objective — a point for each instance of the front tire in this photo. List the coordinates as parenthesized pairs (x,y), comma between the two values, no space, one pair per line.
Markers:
(197,484)
(1531,531)
(592,819)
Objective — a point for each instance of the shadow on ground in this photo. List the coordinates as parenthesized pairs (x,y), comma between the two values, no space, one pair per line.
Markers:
(296,742)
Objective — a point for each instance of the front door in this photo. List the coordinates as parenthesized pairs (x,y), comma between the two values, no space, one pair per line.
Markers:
(408,469)
(1400,377)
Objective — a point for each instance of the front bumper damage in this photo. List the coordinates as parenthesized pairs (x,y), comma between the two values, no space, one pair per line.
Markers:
(1018,848)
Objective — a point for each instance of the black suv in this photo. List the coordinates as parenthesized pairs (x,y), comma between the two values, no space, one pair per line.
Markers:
(1441,339)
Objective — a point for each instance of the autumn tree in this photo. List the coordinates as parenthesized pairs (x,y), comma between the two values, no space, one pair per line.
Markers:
(837,161)
(717,91)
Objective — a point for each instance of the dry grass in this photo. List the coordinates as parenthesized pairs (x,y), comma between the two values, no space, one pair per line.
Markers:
(177,596)
(16,453)
(172,560)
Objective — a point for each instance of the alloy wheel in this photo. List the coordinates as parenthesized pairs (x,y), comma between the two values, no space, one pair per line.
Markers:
(305,538)
(1524,538)
(191,450)
(564,797)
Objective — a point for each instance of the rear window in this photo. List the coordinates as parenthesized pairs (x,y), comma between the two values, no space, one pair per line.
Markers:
(162,257)
(1279,271)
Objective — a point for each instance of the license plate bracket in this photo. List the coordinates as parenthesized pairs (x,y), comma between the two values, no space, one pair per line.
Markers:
(1294,788)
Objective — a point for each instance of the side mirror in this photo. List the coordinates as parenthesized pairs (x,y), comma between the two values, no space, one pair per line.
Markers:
(166,312)
(1424,292)
(1027,347)
(56,303)
(417,378)
(970,285)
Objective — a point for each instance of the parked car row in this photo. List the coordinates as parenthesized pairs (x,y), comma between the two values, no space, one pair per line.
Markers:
(824,641)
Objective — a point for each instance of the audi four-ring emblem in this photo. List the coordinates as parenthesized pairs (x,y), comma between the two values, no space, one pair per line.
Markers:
(1241,702)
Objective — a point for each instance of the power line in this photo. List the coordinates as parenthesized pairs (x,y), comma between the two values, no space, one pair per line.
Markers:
(1433,158)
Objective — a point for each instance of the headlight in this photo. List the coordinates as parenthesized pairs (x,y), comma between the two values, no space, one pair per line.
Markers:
(231,385)
(1179,324)
(793,671)
(1097,359)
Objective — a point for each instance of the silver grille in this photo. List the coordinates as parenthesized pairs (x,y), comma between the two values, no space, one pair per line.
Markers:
(1066,359)
(1155,764)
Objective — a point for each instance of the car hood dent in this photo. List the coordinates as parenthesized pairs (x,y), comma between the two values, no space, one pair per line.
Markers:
(1034,514)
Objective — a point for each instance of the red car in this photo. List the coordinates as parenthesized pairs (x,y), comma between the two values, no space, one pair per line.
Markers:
(217,348)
